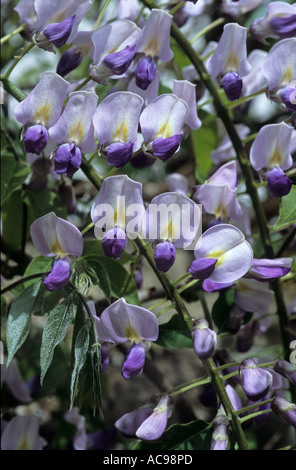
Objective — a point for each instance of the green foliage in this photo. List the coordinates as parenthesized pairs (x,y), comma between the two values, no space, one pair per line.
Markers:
(204,141)
(174,334)
(13,175)
(287,215)
(222,309)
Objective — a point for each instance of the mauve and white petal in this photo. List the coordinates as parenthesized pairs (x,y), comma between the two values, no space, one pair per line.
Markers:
(45,102)
(253,296)
(165,116)
(117,116)
(121,322)
(271,147)
(226,174)
(231,52)
(22,433)
(186,91)
(218,200)
(155,36)
(233,264)
(75,123)
(279,66)
(113,37)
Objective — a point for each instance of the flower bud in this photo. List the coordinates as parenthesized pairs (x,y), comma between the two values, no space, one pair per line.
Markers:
(35,139)
(120,61)
(164,256)
(256,382)
(286,369)
(204,339)
(232,84)
(202,268)
(114,243)
(119,154)
(165,148)
(278,183)
(284,409)
(134,361)
(58,33)
(69,61)
(145,72)
(67,159)
(59,275)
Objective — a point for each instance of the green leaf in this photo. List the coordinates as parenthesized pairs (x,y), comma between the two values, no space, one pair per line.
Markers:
(204,141)
(80,353)
(173,334)
(122,284)
(104,280)
(12,218)
(19,318)
(287,215)
(42,202)
(190,436)
(54,332)
(222,309)
(13,175)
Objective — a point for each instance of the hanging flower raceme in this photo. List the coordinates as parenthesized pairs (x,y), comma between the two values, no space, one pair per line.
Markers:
(116,124)
(222,255)
(74,132)
(122,322)
(55,237)
(114,49)
(279,69)
(148,422)
(162,123)
(278,23)
(218,195)
(172,221)
(41,110)
(57,22)
(229,62)
(117,213)
(153,45)
(270,152)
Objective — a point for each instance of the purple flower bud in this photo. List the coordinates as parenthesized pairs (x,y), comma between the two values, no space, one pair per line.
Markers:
(286,369)
(35,139)
(141,160)
(59,275)
(256,382)
(284,409)
(67,159)
(278,183)
(119,154)
(134,361)
(211,286)
(219,437)
(153,427)
(288,96)
(120,61)
(114,243)
(232,84)
(69,61)
(138,278)
(164,256)
(58,33)
(204,339)
(145,72)
(284,26)
(202,268)
(165,148)
(268,270)
(233,397)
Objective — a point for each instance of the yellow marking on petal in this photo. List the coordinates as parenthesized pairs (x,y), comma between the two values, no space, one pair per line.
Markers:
(76,133)
(220,211)
(152,47)
(218,254)
(232,62)
(57,249)
(121,133)
(24,445)
(164,131)
(43,114)
(276,158)
(287,75)
(132,335)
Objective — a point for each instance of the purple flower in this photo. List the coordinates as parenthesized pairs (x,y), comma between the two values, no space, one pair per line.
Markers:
(119,62)
(286,369)
(233,397)
(114,245)
(235,8)
(67,159)
(232,84)
(149,422)
(35,139)
(288,97)
(202,268)
(55,237)
(226,244)
(69,61)
(284,409)
(278,183)
(58,33)
(145,72)
(204,339)
(22,433)
(253,296)
(164,256)
(267,270)
(177,183)
(122,322)
(12,377)
(116,124)
(154,40)
(220,433)
(279,22)
(59,275)
(256,382)
(187,92)
(165,148)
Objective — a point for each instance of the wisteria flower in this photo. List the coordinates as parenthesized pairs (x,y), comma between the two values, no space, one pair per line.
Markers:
(278,23)
(122,322)
(22,433)
(55,237)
